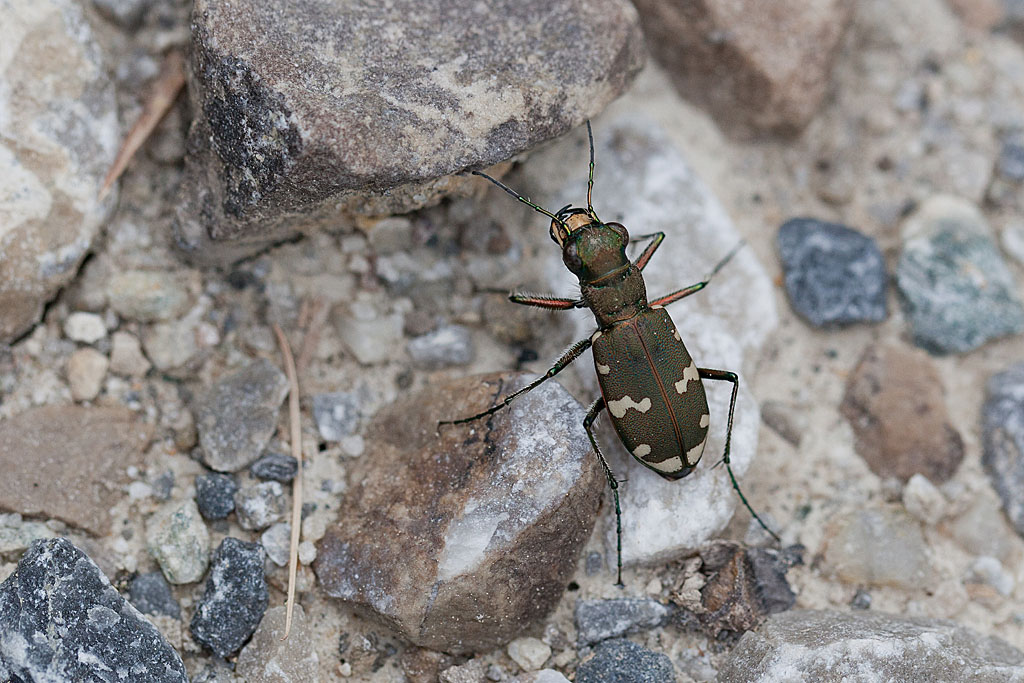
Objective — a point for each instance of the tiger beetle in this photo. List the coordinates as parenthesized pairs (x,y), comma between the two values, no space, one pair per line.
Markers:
(649,384)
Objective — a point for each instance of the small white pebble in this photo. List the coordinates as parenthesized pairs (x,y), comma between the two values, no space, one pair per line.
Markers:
(87,328)
(86,370)
(529,653)
(352,445)
(138,490)
(923,500)
(988,570)
(307,552)
(345,670)
(653,586)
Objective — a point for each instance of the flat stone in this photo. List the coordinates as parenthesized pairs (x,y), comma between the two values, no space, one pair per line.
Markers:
(178,347)
(126,357)
(622,661)
(374,341)
(257,506)
(63,621)
(215,495)
(269,658)
(152,295)
(598,620)
(878,547)
(277,93)
(276,542)
(642,178)
(178,540)
(957,291)
(87,368)
(151,594)
(238,415)
(761,68)
(60,134)
(445,346)
(834,275)
(234,598)
(463,540)
(1002,417)
(69,462)
(87,328)
(895,402)
(276,467)
(823,645)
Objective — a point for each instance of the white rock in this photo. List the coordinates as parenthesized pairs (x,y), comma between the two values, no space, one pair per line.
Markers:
(988,570)
(645,181)
(87,328)
(126,357)
(923,500)
(529,653)
(86,370)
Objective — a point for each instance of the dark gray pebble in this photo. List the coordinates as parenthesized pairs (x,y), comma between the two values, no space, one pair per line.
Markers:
(623,661)
(61,620)
(234,598)
(598,620)
(834,275)
(215,495)
(151,594)
(1002,417)
(276,467)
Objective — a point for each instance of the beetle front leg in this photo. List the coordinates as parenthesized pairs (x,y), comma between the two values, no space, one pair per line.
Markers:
(588,424)
(725,375)
(555,303)
(568,357)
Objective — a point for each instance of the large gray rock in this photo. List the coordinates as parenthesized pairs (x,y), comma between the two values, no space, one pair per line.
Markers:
(63,621)
(58,135)
(811,645)
(308,109)
(461,540)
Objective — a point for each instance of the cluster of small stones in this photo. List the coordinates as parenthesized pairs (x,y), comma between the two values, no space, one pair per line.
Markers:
(152,391)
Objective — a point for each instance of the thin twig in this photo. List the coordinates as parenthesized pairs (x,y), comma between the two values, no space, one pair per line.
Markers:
(157,103)
(318,311)
(296,439)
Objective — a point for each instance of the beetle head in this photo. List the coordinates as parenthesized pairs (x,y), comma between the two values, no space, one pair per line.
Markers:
(590,249)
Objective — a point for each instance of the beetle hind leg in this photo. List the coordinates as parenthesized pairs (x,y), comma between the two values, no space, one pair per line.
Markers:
(725,375)
(588,424)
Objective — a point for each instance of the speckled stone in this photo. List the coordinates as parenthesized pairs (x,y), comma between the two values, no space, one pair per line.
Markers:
(445,346)
(598,620)
(150,296)
(63,621)
(151,594)
(238,415)
(957,291)
(811,645)
(337,414)
(878,547)
(215,495)
(257,506)
(834,275)
(623,661)
(275,466)
(234,598)
(178,540)
(1002,418)
(309,109)
(511,500)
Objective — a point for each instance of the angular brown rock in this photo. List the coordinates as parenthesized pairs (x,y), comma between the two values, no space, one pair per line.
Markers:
(757,66)
(461,540)
(895,403)
(68,462)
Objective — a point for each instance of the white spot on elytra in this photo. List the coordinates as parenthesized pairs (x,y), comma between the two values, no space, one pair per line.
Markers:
(689,373)
(603,369)
(705,420)
(673,464)
(693,455)
(619,407)
(657,307)
(675,333)
(594,337)
(641,450)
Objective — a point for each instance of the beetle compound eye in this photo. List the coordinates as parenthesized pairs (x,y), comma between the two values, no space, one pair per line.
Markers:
(571,257)
(620,230)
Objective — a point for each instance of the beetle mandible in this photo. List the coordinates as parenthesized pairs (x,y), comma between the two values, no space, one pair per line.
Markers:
(650,385)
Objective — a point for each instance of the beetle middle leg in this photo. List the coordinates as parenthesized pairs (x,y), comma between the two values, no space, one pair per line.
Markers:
(727,376)
(568,357)
(693,289)
(588,424)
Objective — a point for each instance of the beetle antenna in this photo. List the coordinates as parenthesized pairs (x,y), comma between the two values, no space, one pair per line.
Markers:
(524,200)
(590,180)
